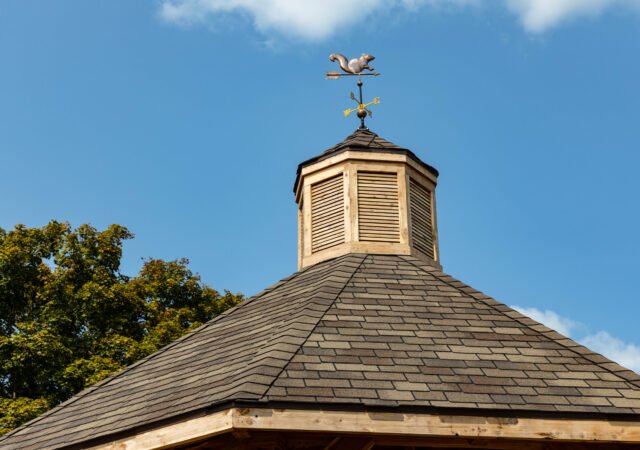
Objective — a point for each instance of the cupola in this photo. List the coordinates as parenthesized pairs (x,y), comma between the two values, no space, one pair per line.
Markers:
(370,347)
(366,195)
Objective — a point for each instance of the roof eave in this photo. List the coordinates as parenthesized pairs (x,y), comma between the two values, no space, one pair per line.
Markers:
(323,156)
(383,420)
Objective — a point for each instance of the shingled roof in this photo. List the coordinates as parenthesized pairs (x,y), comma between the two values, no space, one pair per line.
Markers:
(359,331)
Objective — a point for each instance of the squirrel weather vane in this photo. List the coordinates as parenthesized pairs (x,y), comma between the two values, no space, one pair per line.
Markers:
(355,67)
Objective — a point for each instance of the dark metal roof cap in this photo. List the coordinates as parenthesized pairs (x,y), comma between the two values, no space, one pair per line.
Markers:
(363,140)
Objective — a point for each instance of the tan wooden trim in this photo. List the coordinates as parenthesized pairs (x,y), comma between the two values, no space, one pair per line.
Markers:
(176,434)
(352,202)
(349,164)
(421,179)
(434,218)
(362,156)
(403,203)
(346,203)
(323,175)
(352,155)
(380,248)
(306,211)
(300,236)
(374,166)
(323,255)
(374,248)
(383,425)
(431,425)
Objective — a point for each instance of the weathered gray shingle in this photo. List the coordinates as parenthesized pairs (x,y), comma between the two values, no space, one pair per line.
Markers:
(362,330)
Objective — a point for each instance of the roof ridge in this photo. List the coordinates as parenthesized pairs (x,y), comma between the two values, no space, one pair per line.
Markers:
(626,374)
(92,389)
(243,386)
(373,138)
(311,331)
(410,336)
(80,395)
(339,259)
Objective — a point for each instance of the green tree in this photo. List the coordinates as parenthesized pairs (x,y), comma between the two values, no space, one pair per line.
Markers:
(69,317)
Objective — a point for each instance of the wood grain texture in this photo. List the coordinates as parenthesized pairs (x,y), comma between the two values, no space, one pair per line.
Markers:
(421,210)
(327,214)
(378,207)
(388,429)
(431,425)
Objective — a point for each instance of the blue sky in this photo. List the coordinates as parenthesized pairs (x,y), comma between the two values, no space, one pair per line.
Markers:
(184,120)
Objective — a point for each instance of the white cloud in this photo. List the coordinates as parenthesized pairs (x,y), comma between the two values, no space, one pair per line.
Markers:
(308,19)
(627,355)
(549,318)
(316,20)
(539,15)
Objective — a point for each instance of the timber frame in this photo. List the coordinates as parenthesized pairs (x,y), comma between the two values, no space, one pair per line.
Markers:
(349,164)
(274,428)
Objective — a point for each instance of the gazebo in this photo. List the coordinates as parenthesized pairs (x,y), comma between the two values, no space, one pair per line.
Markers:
(368,345)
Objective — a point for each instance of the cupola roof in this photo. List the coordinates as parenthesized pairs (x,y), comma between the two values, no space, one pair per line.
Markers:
(364,140)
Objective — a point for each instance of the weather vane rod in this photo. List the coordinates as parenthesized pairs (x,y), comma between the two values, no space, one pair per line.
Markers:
(355,67)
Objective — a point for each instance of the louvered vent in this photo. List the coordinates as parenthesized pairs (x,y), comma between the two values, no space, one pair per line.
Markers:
(327,214)
(421,218)
(378,209)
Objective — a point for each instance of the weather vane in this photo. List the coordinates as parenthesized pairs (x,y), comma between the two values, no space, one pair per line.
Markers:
(355,67)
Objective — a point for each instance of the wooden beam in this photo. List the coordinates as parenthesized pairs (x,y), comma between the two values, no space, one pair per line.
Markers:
(180,433)
(457,443)
(353,155)
(330,445)
(431,425)
(327,441)
(354,443)
(389,428)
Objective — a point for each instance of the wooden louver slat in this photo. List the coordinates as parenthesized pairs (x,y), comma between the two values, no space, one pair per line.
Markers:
(327,214)
(421,218)
(378,207)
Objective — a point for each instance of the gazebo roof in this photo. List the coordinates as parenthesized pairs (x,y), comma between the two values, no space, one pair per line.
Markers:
(355,332)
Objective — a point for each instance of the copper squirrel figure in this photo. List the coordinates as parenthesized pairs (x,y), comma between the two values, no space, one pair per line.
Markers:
(354,66)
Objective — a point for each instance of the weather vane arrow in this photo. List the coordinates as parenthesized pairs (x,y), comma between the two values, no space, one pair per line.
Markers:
(361,106)
(355,67)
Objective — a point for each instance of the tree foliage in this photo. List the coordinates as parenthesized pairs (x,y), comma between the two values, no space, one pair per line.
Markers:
(69,317)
